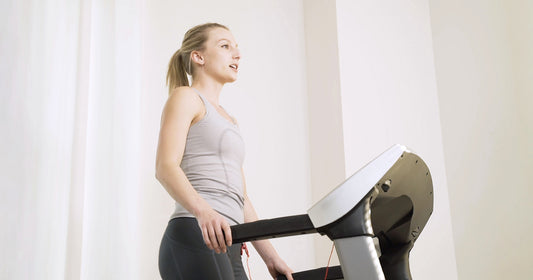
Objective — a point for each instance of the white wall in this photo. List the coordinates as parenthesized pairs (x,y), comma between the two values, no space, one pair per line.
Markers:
(389,96)
(520,28)
(325,109)
(269,100)
(483,62)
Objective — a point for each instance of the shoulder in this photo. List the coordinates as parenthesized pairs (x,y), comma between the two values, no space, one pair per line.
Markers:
(183,95)
(184,101)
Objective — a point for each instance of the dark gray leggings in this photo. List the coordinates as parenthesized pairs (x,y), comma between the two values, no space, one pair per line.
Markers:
(183,255)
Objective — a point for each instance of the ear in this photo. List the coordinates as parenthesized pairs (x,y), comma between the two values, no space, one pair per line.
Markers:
(197,58)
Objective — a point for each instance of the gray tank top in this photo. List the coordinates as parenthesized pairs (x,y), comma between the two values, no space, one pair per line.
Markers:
(212,161)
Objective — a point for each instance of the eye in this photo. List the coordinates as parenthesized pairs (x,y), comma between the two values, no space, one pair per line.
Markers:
(225,46)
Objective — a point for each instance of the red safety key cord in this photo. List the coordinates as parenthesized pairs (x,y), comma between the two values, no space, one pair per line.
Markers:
(245,249)
(327,267)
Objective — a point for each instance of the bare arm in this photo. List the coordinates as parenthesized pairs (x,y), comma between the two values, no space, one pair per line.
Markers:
(273,261)
(181,109)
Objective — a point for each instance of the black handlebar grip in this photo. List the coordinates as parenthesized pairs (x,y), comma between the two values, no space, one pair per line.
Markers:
(272,228)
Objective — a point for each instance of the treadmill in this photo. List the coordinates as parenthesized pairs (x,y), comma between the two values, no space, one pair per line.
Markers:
(374,218)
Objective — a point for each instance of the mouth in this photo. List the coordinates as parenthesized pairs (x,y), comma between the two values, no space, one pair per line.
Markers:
(235,67)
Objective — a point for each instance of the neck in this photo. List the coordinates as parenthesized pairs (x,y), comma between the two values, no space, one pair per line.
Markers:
(209,88)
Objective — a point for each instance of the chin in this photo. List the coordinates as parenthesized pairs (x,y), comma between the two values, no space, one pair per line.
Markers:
(231,79)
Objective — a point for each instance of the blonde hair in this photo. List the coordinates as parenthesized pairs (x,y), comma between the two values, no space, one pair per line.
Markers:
(180,64)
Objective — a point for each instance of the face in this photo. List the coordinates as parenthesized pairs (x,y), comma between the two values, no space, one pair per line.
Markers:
(220,57)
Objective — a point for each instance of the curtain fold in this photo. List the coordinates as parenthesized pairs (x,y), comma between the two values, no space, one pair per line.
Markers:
(71,139)
(38,93)
(113,146)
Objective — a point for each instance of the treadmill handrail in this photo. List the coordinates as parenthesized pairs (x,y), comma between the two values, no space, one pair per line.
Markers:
(272,228)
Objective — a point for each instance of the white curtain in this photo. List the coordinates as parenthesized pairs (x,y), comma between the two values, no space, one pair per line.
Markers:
(75,166)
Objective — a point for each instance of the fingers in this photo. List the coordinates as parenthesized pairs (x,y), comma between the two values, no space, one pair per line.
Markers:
(217,239)
(289,276)
(282,268)
(220,239)
(227,233)
(287,272)
(205,235)
(208,233)
(215,233)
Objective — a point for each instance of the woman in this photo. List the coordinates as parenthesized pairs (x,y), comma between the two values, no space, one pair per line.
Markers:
(199,162)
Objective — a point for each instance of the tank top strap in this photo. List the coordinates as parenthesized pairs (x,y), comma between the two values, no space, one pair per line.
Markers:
(207,105)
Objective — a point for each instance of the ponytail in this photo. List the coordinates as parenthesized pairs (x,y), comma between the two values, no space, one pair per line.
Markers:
(177,72)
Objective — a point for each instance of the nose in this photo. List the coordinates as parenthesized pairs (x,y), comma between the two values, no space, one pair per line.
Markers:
(236,53)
